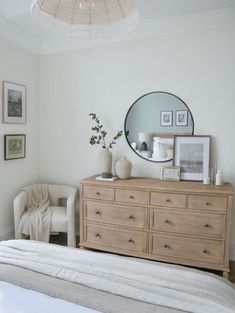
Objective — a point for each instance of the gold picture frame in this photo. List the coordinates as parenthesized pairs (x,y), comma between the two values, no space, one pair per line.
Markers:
(170,173)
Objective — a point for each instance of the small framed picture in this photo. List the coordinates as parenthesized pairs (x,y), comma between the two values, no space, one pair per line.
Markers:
(14,103)
(14,147)
(192,154)
(170,173)
(166,118)
(181,118)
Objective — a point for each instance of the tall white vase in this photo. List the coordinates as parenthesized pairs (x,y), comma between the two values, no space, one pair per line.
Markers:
(105,160)
(123,168)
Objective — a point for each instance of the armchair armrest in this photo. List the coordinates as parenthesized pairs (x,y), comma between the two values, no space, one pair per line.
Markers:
(71,205)
(19,205)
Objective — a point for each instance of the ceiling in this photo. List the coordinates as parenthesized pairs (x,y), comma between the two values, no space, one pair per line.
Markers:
(157,17)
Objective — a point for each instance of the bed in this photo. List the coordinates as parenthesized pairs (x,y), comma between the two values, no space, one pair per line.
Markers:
(49,278)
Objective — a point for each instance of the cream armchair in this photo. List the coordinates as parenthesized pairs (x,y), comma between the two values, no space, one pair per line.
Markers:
(63,218)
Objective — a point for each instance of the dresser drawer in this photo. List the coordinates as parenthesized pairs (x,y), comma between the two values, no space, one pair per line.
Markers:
(131,196)
(200,250)
(188,223)
(116,238)
(116,214)
(207,203)
(99,193)
(168,199)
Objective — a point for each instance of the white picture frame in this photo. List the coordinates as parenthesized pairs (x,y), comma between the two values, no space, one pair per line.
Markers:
(166,118)
(181,118)
(192,154)
(14,103)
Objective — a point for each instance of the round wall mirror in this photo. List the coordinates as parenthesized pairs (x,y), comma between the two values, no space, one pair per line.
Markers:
(152,122)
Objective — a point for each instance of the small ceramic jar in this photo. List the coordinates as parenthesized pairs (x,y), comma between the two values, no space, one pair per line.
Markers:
(123,168)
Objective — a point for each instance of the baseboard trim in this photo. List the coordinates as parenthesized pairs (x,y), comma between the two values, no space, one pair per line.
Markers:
(6,234)
(232,251)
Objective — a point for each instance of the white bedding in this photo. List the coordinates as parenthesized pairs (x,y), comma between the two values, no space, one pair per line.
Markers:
(14,299)
(152,282)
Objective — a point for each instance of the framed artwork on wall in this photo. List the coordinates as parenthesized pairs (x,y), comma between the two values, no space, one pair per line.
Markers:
(166,118)
(181,118)
(14,103)
(192,154)
(14,147)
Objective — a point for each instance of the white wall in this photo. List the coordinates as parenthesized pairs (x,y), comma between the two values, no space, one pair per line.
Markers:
(19,66)
(196,66)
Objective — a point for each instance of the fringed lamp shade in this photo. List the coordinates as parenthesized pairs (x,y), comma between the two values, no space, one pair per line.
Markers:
(88,19)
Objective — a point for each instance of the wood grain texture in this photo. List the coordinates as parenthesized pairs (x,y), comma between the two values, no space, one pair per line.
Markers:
(157,184)
(168,199)
(188,248)
(98,193)
(131,196)
(129,240)
(178,222)
(121,215)
(201,224)
(210,203)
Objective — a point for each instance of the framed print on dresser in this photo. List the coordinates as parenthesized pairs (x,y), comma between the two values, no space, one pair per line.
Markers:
(192,154)
(14,103)
(170,173)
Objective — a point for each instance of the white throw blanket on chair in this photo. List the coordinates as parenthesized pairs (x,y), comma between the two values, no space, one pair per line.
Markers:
(157,283)
(36,220)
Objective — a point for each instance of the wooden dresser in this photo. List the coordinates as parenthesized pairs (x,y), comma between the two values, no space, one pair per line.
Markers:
(179,222)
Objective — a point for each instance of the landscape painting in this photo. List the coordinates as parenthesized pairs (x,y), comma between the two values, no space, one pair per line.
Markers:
(14,147)
(191,158)
(192,154)
(14,103)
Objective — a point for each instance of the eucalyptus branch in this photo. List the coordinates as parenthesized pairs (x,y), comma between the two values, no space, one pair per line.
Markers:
(100,133)
(115,138)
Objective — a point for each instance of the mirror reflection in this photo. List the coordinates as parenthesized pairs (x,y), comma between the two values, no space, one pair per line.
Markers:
(151,123)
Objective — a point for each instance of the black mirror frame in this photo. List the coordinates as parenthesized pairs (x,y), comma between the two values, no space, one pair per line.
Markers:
(127,132)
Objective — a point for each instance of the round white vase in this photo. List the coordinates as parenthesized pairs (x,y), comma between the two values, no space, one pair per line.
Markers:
(123,168)
(105,160)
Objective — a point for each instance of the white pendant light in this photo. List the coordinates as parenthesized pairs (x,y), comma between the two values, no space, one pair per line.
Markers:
(87,19)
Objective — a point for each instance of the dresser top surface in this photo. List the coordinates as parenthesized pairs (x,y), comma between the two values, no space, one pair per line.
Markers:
(161,185)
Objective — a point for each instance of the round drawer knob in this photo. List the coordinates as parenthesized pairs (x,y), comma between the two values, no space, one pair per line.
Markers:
(206,225)
(131,240)
(205,251)
(208,203)
(131,217)
(167,221)
(166,246)
(98,235)
(131,197)
(98,213)
(98,193)
(168,200)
